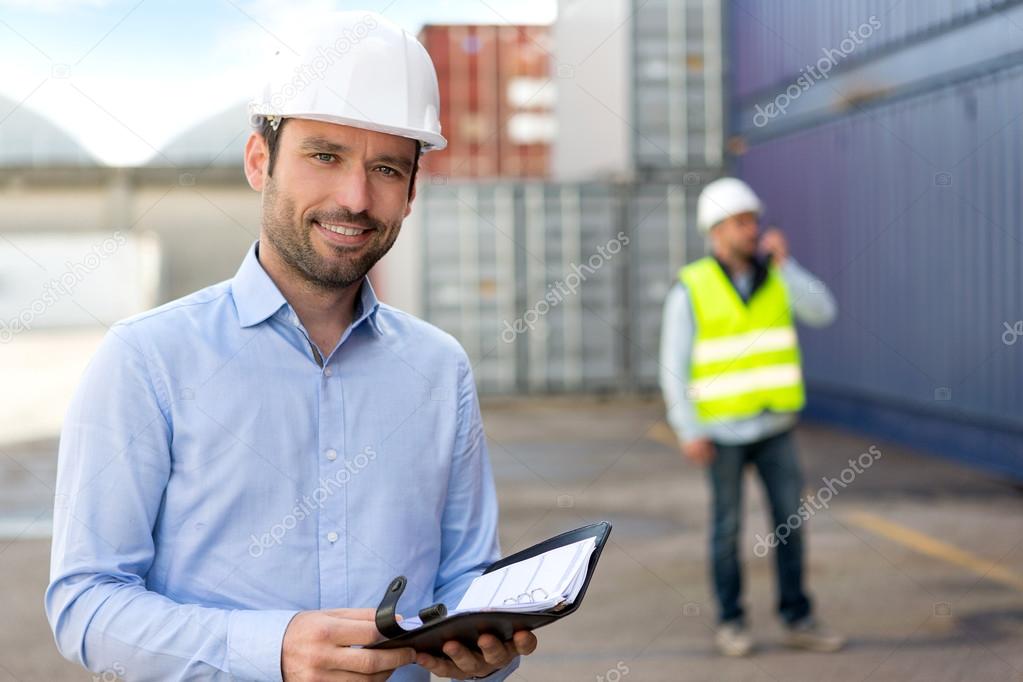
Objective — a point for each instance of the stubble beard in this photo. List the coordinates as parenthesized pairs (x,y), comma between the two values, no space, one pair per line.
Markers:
(292,238)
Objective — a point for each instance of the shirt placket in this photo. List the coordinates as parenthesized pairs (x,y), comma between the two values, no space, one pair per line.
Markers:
(332,487)
(329,497)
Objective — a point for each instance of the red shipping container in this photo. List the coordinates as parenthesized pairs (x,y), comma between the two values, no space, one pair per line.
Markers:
(497,100)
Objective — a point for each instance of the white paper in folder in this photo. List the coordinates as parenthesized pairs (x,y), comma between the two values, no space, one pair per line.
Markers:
(536,584)
(539,583)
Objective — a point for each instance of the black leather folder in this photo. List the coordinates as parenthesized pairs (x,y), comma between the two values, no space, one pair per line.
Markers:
(466,628)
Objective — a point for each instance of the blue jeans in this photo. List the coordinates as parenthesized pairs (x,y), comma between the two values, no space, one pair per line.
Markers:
(776,462)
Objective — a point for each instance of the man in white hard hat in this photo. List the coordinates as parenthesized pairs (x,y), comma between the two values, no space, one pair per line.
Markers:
(244,471)
(732,381)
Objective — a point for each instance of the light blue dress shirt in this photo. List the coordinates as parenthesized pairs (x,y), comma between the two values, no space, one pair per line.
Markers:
(216,477)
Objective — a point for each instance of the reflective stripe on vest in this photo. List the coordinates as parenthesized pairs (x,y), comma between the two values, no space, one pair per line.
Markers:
(745,357)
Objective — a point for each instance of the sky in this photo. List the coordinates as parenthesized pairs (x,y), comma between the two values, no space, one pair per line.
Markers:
(124,77)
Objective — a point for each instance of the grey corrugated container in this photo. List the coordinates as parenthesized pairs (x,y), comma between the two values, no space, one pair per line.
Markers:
(676,80)
(662,228)
(493,252)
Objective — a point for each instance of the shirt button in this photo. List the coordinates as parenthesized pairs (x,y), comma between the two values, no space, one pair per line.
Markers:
(328,372)
(332,536)
(331,454)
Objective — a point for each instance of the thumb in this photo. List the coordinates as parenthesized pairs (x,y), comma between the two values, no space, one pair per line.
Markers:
(352,614)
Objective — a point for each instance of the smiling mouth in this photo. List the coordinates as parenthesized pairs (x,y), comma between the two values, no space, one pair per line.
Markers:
(345,230)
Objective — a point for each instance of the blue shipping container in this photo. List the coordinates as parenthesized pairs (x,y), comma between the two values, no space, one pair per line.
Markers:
(911,211)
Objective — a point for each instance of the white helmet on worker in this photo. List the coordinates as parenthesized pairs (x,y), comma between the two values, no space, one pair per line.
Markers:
(356,69)
(724,198)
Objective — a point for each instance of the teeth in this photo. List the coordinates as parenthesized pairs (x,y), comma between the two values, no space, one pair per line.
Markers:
(340,229)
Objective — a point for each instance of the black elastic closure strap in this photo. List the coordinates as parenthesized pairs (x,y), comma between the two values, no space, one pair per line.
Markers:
(432,613)
(386,620)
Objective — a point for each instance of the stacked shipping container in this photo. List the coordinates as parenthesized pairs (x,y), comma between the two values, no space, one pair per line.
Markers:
(677,84)
(556,286)
(497,99)
(501,259)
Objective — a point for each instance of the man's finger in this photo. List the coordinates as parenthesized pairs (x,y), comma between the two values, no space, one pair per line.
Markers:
(440,667)
(370,661)
(466,660)
(525,642)
(352,614)
(495,652)
(344,632)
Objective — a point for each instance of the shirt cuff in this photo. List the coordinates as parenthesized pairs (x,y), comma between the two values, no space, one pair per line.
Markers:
(254,643)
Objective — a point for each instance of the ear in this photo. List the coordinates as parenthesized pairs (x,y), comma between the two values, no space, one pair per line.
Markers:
(257,155)
(411,197)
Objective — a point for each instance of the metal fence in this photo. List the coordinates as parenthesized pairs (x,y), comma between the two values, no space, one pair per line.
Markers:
(556,287)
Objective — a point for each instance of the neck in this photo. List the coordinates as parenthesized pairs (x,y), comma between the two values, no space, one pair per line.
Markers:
(736,264)
(324,312)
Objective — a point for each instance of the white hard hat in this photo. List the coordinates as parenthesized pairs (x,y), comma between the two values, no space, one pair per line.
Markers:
(356,69)
(724,198)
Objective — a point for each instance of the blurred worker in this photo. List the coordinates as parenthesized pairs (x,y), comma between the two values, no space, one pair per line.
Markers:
(243,471)
(732,381)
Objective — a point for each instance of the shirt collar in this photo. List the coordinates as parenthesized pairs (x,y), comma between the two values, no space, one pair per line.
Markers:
(257,298)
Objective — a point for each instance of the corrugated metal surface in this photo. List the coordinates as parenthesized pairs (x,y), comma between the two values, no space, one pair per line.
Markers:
(676,64)
(514,271)
(497,99)
(469,283)
(556,287)
(662,227)
(912,212)
(774,39)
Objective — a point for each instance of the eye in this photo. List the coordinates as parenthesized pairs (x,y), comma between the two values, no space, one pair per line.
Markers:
(323,156)
(388,171)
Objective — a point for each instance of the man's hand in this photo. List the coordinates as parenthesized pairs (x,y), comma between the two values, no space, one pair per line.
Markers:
(699,451)
(318,646)
(774,244)
(465,663)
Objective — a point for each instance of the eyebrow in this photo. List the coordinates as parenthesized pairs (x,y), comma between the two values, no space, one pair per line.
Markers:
(322,144)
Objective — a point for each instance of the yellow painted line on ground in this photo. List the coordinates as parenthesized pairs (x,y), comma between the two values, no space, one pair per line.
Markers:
(925,544)
(662,433)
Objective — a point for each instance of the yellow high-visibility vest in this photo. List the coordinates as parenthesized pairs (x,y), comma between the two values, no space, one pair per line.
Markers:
(745,356)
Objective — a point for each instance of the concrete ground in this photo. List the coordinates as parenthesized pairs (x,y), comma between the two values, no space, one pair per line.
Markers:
(918,560)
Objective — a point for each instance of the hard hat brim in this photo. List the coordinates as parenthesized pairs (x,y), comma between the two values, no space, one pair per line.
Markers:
(430,141)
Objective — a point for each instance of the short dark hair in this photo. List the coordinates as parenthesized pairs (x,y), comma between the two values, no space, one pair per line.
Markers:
(273,137)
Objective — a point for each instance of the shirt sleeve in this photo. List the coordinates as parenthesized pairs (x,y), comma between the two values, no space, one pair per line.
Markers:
(469,541)
(812,302)
(113,467)
(677,332)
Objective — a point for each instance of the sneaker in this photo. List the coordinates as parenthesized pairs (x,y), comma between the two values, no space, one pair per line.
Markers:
(733,639)
(812,635)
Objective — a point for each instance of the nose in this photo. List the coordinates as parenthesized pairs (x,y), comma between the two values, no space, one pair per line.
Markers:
(352,191)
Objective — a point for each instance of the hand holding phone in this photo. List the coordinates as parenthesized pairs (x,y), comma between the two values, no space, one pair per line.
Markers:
(774,244)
